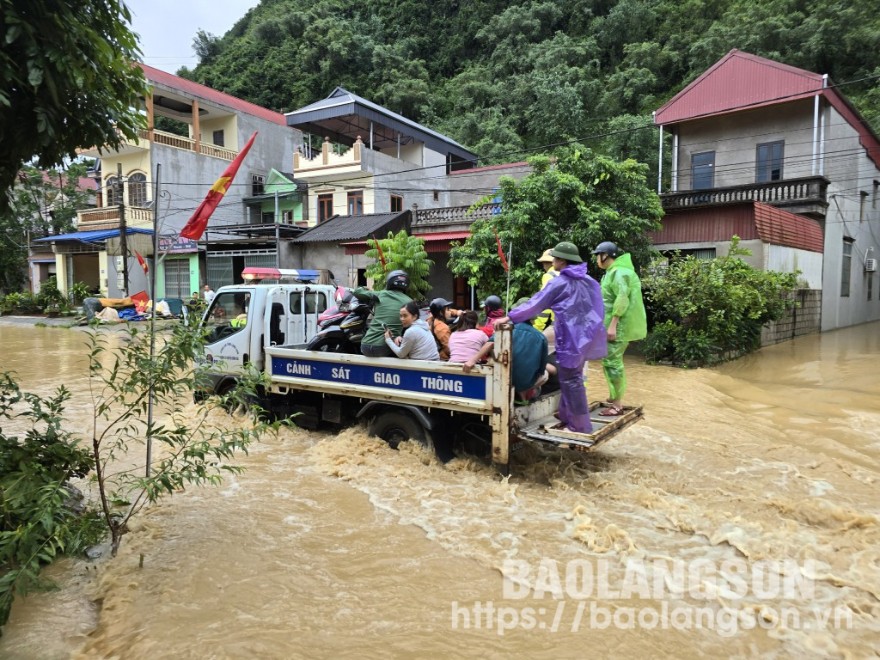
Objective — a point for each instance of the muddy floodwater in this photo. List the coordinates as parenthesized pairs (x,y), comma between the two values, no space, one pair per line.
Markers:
(739,519)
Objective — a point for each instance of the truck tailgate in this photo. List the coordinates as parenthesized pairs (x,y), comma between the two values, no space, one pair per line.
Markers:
(549,430)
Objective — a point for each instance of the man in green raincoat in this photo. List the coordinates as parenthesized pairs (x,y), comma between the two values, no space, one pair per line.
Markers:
(625,319)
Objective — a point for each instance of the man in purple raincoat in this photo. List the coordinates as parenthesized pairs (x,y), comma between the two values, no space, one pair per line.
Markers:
(576,301)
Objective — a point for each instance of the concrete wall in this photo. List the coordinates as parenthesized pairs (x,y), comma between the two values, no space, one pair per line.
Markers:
(788,260)
(187,176)
(466,186)
(802,320)
(225,124)
(415,182)
(331,257)
(851,172)
(734,139)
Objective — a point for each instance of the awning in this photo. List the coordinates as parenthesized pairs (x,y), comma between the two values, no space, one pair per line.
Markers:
(434,243)
(96,236)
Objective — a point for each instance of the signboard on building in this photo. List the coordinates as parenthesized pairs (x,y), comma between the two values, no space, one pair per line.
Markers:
(174,244)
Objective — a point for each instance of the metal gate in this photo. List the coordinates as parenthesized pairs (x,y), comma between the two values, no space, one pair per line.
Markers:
(222,266)
(177,278)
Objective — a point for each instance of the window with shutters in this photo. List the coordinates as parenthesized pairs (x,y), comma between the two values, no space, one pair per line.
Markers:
(137,189)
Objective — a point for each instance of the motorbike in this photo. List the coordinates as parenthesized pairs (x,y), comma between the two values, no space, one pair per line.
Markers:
(342,328)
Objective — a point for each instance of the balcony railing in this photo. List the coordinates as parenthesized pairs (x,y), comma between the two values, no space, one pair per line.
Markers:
(180,142)
(327,158)
(788,192)
(454,215)
(108,217)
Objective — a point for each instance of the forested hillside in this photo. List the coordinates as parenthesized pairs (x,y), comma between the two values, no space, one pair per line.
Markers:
(506,77)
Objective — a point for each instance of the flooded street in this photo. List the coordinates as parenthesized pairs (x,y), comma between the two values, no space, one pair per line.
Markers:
(333,545)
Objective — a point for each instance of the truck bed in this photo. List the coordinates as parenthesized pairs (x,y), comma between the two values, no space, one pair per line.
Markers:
(486,391)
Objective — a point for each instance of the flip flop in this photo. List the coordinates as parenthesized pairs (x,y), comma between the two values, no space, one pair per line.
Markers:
(611,411)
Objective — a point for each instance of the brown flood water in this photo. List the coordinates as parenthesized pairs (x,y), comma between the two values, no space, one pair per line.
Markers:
(332,545)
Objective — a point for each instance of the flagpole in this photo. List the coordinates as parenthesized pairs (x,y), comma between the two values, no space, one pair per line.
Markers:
(153,316)
(509,267)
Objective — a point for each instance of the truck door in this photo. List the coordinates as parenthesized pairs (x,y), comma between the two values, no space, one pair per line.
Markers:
(276,331)
(305,304)
(229,329)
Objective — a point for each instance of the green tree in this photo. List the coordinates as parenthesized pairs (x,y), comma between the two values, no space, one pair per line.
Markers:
(67,80)
(37,522)
(706,310)
(39,203)
(579,197)
(188,450)
(401,252)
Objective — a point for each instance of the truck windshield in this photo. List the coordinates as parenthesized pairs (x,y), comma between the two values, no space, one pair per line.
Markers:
(228,314)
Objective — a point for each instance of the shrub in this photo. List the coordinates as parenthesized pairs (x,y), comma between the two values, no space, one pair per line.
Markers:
(20,303)
(706,310)
(50,296)
(79,292)
(36,521)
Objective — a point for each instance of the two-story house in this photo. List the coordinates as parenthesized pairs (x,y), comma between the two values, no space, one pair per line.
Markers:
(370,171)
(202,132)
(779,157)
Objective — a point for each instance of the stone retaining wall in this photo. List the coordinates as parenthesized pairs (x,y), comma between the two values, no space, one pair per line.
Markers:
(804,319)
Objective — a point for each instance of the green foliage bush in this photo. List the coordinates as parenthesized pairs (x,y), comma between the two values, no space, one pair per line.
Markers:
(402,252)
(706,310)
(20,303)
(79,291)
(49,295)
(37,522)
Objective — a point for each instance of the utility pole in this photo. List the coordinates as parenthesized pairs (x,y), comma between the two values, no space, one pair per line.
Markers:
(123,230)
(277,233)
(153,274)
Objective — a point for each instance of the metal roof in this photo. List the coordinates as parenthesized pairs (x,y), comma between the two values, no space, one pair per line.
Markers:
(341,228)
(343,116)
(438,242)
(739,81)
(95,236)
(748,220)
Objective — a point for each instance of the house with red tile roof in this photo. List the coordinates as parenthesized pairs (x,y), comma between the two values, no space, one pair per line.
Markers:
(192,133)
(778,156)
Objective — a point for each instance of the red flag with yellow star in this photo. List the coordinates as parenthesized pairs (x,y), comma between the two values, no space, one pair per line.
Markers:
(197,224)
(142,262)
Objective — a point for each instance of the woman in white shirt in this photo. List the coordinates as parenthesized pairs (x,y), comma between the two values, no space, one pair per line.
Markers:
(417,341)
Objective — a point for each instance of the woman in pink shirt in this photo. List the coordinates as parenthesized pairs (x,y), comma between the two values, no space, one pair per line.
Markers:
(467,340)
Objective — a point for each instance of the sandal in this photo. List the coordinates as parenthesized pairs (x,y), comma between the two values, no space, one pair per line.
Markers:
(611,411)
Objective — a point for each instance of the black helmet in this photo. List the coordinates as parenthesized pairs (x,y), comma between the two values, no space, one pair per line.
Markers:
(438,305)
(609,248)
(491,303)
(397,279)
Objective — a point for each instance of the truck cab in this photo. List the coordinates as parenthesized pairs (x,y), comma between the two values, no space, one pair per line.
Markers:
(244,319)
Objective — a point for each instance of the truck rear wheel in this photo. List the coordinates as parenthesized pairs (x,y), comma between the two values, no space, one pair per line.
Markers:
(395,427)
